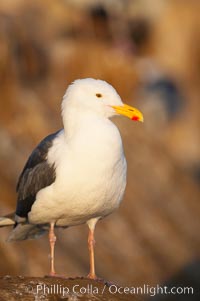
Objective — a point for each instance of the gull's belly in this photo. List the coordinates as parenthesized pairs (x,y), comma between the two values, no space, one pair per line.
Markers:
(103,195)
(94,191)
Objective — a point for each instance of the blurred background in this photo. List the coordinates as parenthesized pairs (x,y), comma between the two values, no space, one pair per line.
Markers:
(150,52)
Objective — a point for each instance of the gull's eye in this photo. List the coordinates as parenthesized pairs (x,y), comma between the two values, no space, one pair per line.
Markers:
(98,95)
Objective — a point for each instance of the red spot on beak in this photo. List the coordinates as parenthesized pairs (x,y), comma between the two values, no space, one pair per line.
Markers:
(135,118)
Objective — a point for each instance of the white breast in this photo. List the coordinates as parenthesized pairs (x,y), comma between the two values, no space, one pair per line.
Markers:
(90,176)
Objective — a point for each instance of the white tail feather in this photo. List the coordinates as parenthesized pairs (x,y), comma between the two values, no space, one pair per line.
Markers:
(6,221)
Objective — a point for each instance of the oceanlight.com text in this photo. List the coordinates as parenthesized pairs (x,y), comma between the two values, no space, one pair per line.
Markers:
(152,290)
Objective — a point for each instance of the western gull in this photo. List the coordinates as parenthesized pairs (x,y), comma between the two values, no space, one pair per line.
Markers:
(78,174)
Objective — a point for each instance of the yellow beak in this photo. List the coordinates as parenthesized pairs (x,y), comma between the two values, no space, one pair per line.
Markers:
(129,112)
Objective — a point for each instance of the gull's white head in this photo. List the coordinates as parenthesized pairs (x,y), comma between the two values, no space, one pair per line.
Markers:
(97,97)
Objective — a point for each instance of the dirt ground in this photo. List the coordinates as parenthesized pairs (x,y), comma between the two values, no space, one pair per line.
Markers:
(54,289)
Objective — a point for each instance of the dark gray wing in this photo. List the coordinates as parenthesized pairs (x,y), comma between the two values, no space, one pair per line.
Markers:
(37,174)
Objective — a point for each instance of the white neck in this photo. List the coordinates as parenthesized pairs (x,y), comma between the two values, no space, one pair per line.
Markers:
(74,121)
(85,132)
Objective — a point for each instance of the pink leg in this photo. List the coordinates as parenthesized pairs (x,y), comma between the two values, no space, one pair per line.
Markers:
(91,243)
(52,240)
